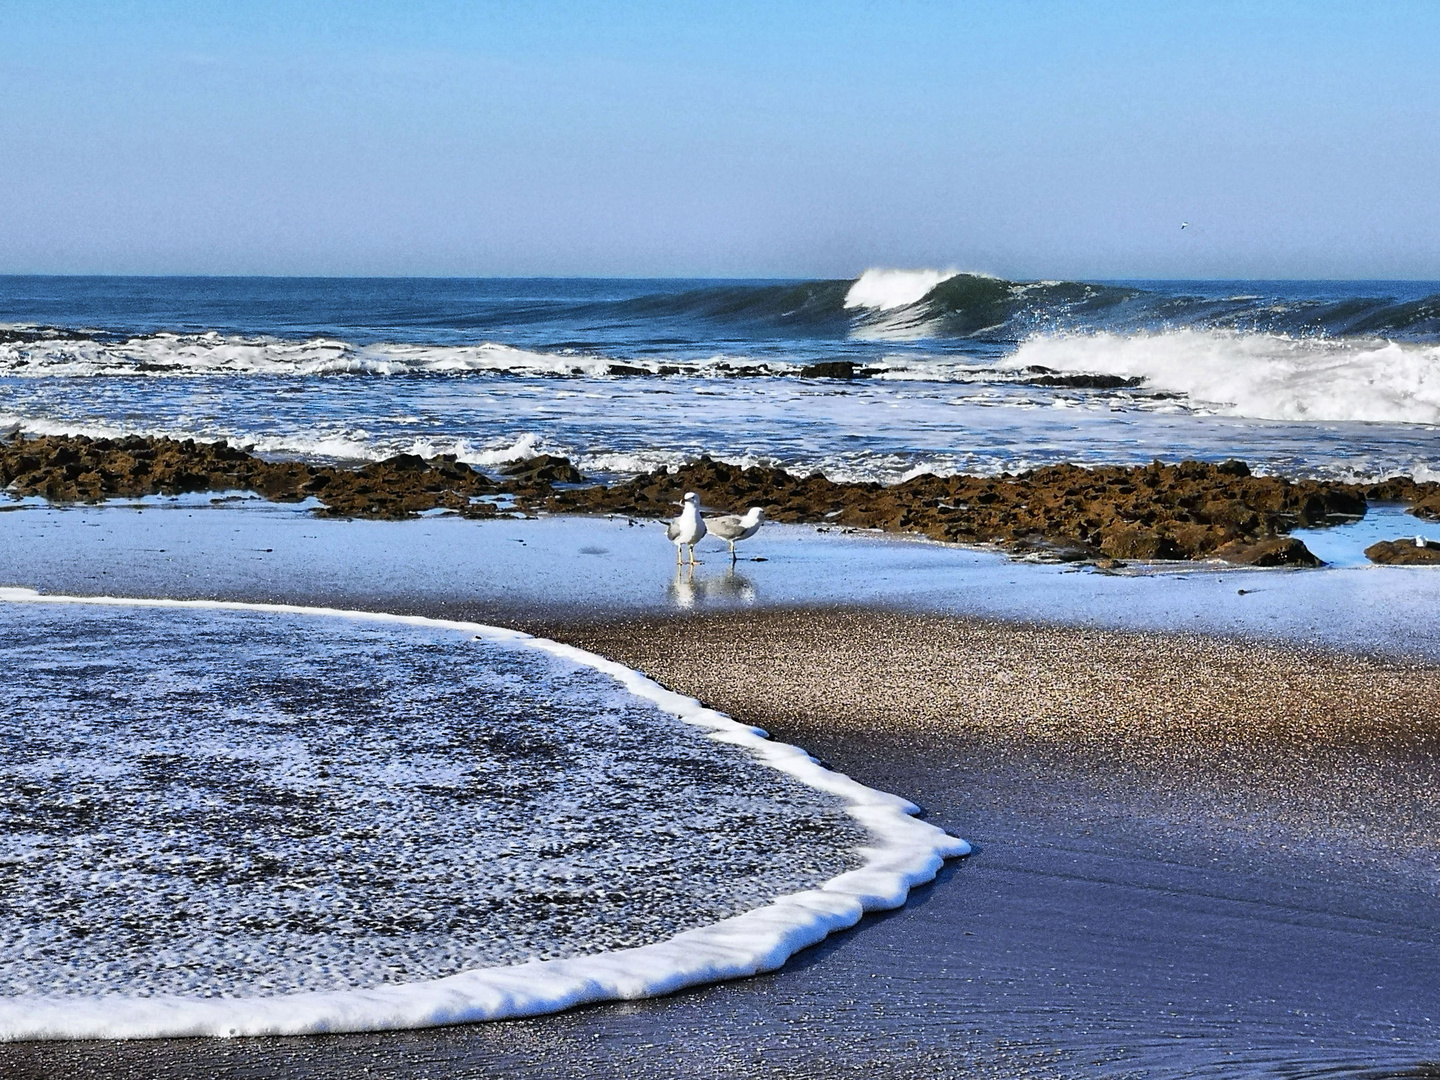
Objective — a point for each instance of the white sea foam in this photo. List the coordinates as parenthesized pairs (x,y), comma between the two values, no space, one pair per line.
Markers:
(630,463)
(358,444)
(349,444)
(1260,376)
(882,289)
(219,354)
(905,853)
(170,355)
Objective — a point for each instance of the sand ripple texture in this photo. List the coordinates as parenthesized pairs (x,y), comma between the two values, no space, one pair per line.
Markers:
(220,803)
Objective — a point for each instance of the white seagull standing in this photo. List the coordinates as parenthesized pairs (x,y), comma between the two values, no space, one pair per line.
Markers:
(688,529)
(733,528)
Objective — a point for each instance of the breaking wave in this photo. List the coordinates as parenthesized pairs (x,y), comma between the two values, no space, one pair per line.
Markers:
(866,378)
(668,328)
(948,304)
(220,354)
(884,290)
(1259,376)
(1216,370)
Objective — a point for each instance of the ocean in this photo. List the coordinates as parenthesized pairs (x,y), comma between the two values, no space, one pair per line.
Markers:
(949,372)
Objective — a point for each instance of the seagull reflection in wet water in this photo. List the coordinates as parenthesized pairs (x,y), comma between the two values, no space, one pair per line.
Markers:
(689,590)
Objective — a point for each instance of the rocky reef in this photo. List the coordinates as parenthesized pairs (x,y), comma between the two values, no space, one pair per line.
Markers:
(1188,510)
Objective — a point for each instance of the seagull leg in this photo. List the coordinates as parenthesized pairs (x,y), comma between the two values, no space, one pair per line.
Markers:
(693,561)
(679,554)
(732,552)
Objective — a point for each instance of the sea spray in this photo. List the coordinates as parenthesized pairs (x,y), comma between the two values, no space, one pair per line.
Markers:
(883,290)
(1258,376)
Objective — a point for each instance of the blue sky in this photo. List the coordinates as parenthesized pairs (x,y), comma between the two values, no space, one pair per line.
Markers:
(1029,139)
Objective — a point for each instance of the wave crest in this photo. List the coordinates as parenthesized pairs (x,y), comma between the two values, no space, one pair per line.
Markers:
(221,354)
(1259,376)
(883,290)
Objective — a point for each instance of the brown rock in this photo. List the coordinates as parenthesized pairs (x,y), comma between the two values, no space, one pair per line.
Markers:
(1423,498)
(1403,552)
(1126,542)
(1427,506)
(1187,510)
(1276,551)
(542,469)
(75,468)
(833,369)
(1084,382)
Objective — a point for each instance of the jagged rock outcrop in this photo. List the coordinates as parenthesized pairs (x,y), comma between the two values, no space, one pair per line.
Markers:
(1186,511)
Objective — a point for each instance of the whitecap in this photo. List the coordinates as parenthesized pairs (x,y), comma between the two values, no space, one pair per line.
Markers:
(883,289)
(1259,376)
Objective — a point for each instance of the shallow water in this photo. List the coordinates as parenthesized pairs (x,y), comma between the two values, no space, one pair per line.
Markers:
(534,572)
(1344,545)
(235,803)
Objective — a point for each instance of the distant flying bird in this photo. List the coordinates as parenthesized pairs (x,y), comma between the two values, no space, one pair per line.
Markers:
(1184,224)
(688,529)
(732,528)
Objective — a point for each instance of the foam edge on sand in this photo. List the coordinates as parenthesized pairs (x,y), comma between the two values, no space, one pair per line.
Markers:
(905,852)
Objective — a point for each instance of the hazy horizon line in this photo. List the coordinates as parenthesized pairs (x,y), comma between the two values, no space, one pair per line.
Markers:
(1022,279)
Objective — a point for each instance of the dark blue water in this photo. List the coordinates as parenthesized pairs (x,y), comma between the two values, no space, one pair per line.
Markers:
(955,372)
(636,316)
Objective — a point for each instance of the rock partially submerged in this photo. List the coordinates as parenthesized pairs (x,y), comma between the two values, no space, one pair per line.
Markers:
(1403,552)
(1276,551)
(1043,376)
(1062,513)
(834,369)
(79,469)
(541,470)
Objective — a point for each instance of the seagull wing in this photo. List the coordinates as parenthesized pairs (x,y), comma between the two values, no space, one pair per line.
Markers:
(672,529)
(727,527)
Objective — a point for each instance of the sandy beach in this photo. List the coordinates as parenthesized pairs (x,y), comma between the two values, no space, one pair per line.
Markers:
(1194,856)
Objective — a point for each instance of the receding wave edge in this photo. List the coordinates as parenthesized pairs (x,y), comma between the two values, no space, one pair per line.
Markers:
(906,852)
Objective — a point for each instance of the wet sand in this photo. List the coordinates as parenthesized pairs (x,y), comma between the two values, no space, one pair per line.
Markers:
(1194,856)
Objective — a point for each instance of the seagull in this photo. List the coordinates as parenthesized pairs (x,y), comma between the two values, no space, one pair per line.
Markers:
(1420,541)
(688,528)
(1184,225)
(732,528)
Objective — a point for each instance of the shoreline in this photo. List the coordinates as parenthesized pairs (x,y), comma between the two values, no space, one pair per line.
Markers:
(1178,869)
(1118,708)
